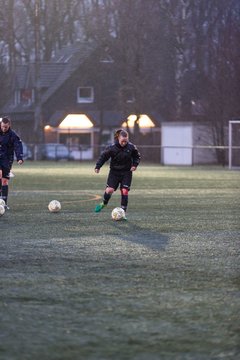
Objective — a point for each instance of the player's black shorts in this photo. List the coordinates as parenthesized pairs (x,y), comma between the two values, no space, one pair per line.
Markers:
(6,168)
(122,178)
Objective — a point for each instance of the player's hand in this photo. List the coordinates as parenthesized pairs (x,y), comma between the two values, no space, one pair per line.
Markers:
(20,162)
(96,171)
(133,168)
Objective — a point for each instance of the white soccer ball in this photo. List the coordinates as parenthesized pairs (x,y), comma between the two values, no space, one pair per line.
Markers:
(2,210)
(54,206)
(2,202)
(118,213)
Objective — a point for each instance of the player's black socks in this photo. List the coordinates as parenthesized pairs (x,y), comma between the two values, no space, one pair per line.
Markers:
(124,202)
(5,193)
(106,198)
(0,188)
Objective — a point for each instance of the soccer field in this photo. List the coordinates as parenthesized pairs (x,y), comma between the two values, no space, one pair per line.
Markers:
(163,285)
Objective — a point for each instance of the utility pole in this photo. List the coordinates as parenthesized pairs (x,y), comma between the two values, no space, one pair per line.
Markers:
(38,126)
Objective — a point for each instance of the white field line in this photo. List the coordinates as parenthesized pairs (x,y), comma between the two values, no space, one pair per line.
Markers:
(92,197)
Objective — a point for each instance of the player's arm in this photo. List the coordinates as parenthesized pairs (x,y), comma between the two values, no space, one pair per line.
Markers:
(18,148)
(136,157)
(105,156)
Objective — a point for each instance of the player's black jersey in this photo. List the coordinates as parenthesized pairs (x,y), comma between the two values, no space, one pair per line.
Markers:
(10,143)
(122,157)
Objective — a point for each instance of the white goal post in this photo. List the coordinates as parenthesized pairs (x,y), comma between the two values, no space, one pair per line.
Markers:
(234,143)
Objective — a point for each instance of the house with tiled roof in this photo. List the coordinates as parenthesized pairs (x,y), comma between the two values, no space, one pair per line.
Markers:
(80,99)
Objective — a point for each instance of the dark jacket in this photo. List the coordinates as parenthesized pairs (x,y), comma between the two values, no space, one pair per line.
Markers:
(10,143)
(122,158)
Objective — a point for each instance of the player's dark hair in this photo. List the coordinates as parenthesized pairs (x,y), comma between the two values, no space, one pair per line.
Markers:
(116,134)
(6,120)
(120,132)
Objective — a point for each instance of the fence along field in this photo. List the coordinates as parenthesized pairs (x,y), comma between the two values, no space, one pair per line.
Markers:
(164,284)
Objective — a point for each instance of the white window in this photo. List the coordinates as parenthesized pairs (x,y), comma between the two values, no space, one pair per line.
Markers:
(85,94)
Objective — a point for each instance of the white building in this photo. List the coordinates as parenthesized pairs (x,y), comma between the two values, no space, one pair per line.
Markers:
(187,143)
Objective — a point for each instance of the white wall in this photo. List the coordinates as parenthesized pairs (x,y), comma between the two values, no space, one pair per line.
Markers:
(177,141)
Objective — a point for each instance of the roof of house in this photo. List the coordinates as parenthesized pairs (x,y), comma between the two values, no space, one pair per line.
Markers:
(25,76)
(52,74)
(72,56)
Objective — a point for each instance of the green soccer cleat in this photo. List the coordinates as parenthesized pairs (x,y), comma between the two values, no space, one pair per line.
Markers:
(99,207)
(124,216)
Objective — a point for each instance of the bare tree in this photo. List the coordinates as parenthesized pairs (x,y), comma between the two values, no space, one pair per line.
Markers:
(168,54)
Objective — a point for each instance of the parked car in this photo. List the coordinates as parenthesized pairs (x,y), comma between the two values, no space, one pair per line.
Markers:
(82,153)
(55,151)
(27,152)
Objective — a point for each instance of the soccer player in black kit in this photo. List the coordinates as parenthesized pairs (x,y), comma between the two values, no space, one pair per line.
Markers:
(124,159)
(10,143)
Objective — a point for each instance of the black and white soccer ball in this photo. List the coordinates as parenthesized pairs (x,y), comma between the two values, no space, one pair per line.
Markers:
(54,206)
(118,213)
(2,210)
(2,202)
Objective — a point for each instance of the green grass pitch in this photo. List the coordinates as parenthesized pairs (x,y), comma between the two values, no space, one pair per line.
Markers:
(163,285)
